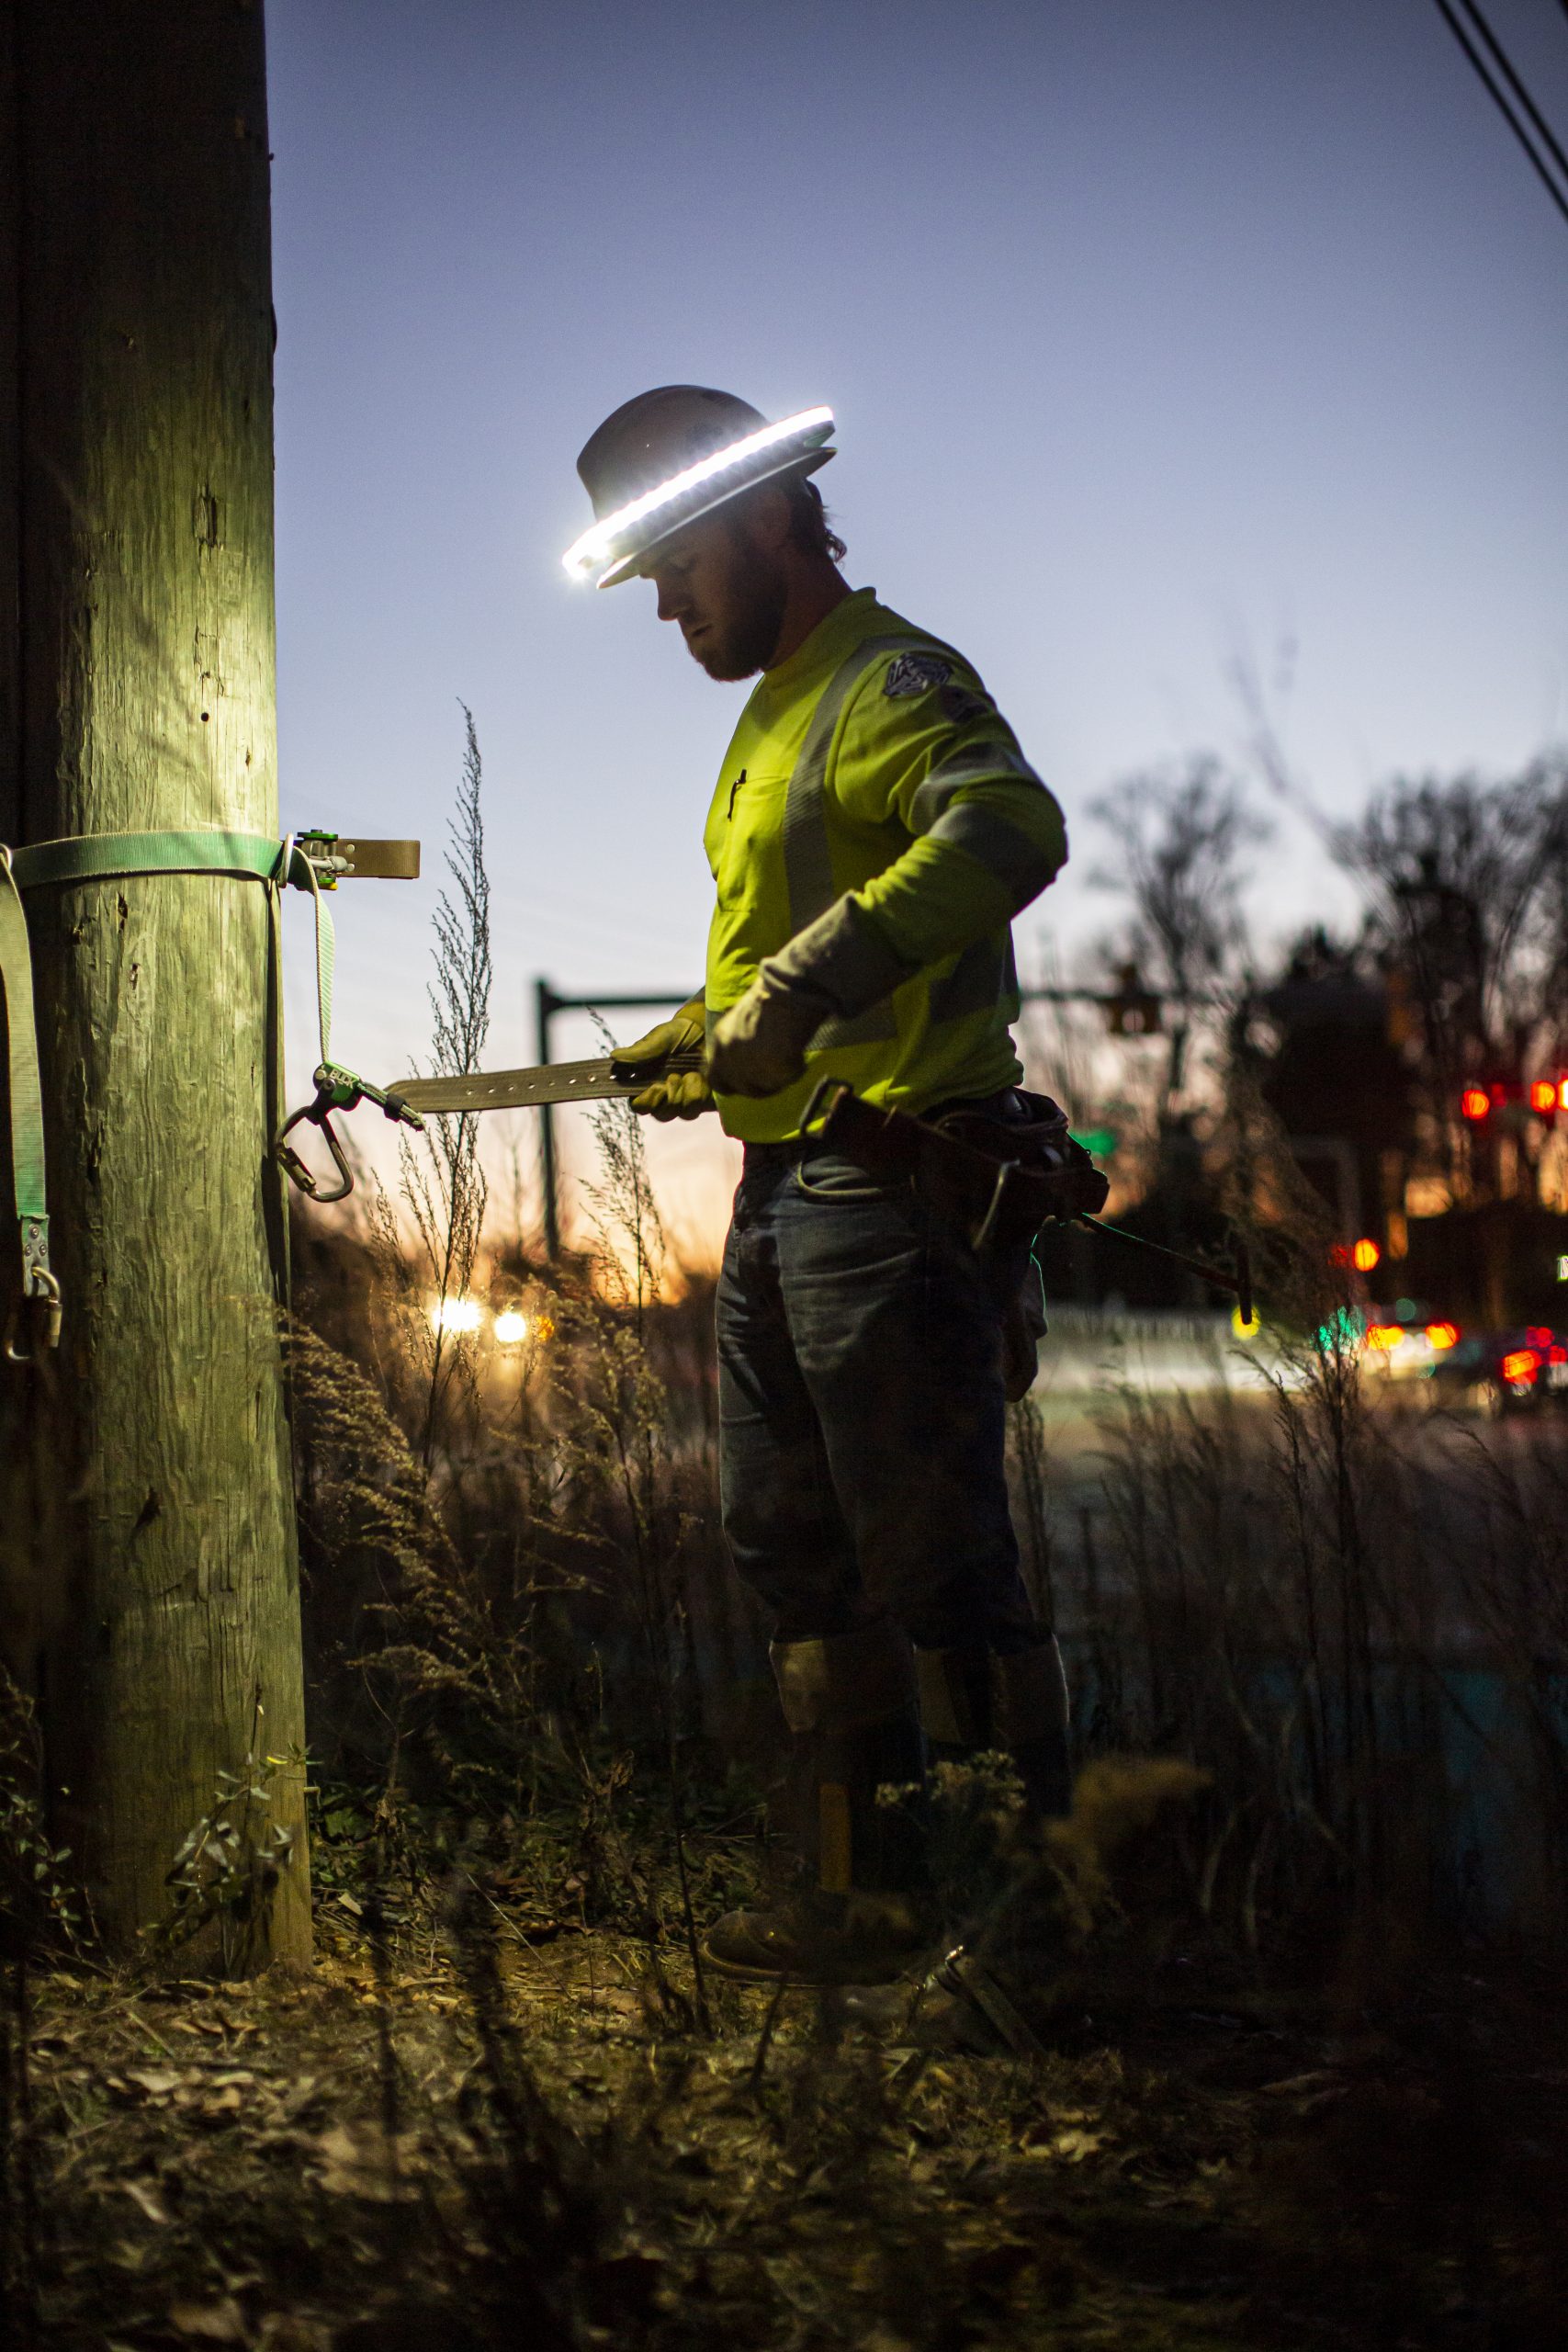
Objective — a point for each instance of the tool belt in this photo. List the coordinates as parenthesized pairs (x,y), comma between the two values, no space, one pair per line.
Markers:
(1000,1180)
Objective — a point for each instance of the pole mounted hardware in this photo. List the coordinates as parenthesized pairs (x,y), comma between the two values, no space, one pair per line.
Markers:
(336,1089)
(314,860)
(337,859)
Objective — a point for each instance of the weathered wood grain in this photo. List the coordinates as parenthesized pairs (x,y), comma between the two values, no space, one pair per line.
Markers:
(138,692)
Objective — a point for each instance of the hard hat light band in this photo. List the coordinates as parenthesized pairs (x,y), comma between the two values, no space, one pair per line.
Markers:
(598,544)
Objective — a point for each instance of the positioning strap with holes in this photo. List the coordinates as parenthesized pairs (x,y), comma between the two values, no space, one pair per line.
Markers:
(314,861)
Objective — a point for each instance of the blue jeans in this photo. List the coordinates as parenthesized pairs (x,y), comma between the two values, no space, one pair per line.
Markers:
(861,1413)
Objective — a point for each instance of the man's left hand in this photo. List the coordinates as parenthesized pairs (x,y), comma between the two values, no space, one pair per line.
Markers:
(758,1046)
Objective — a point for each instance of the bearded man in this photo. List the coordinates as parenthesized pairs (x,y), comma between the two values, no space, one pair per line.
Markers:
(874,831)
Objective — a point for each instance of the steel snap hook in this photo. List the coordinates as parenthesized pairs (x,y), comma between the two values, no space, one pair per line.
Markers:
(336,1089)
(295,1167)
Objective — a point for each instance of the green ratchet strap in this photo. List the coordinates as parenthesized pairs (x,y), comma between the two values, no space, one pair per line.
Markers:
(314,861)
(97,857)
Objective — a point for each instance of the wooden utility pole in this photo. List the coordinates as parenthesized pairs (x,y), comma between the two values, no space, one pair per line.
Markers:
(147,1531)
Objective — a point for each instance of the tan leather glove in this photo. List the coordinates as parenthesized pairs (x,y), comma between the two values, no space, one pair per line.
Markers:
(838,966)
(685,1094)
(758,1046)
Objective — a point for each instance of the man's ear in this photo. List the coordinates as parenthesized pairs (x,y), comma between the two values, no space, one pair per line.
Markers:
(768,518)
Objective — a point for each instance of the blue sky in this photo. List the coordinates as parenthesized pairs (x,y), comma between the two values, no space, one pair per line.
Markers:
(1155,332)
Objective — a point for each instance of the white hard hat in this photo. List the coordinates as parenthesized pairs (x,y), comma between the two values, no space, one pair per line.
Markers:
(671,454)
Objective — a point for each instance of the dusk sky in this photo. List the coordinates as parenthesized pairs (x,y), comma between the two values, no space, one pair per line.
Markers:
(1155,332)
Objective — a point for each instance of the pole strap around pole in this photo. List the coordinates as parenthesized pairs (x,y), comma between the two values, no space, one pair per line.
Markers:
(310,861)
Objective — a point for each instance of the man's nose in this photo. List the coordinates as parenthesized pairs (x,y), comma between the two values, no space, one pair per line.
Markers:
(672,601)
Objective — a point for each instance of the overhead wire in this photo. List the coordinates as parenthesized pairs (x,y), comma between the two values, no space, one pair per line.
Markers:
(1498,93)
(1542,128)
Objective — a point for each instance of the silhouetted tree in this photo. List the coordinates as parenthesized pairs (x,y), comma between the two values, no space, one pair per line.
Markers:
(1467,885)
(1180,837)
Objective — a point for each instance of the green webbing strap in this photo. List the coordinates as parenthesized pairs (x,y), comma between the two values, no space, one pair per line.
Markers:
(291,863)
(28,1186)
(100,857)
(95,857)
(260,857)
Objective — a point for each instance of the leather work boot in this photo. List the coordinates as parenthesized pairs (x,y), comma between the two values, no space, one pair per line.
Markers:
(964,2005)
(971,1700)
(977,1996)
(849,1700)
(817,1938)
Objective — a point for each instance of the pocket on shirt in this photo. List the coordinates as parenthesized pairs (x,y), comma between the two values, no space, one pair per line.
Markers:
(750,864)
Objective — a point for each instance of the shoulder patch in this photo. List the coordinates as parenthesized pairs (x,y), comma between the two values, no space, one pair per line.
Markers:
(916,674)
(959,704)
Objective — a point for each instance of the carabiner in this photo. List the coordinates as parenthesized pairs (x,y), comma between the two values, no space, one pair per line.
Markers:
(295,1167)
(336,1089)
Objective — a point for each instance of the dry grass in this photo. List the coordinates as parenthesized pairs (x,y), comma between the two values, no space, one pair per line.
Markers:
(482,2138)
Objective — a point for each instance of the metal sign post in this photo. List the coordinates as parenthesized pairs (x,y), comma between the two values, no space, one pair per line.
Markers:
(547,1004)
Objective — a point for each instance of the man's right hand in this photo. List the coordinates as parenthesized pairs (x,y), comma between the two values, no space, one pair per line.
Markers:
(685,1094)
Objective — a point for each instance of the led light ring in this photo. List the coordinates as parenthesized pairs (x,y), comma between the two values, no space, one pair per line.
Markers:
(686,490)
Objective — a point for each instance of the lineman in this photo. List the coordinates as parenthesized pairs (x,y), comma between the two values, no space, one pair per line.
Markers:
(874,831)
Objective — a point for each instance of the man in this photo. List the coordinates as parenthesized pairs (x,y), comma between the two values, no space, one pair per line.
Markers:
(874,831)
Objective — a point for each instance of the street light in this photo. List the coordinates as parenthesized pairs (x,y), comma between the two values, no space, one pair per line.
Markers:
(457,1315)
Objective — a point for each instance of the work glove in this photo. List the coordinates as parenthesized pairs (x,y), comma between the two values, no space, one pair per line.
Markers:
(685,1093)
(836,967)
(758,1046)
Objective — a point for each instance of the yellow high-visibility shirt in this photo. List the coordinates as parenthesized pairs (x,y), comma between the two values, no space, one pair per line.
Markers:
(874,764)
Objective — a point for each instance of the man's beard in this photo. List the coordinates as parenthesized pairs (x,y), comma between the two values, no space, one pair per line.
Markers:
(752,631)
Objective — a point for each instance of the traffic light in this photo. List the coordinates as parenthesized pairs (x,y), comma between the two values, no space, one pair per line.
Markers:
(1544,1096)
(1132,1011)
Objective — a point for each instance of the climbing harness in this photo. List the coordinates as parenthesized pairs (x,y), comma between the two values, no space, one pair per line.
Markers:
(982,1172)
(314,860)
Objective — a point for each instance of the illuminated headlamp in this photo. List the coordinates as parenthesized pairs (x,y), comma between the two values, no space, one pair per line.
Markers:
(613,544)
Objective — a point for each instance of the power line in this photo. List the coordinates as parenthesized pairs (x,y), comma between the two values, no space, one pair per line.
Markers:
(1497,95)
(1543,130)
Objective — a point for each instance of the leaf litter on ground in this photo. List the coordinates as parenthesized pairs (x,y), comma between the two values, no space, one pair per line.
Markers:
(539,2142)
